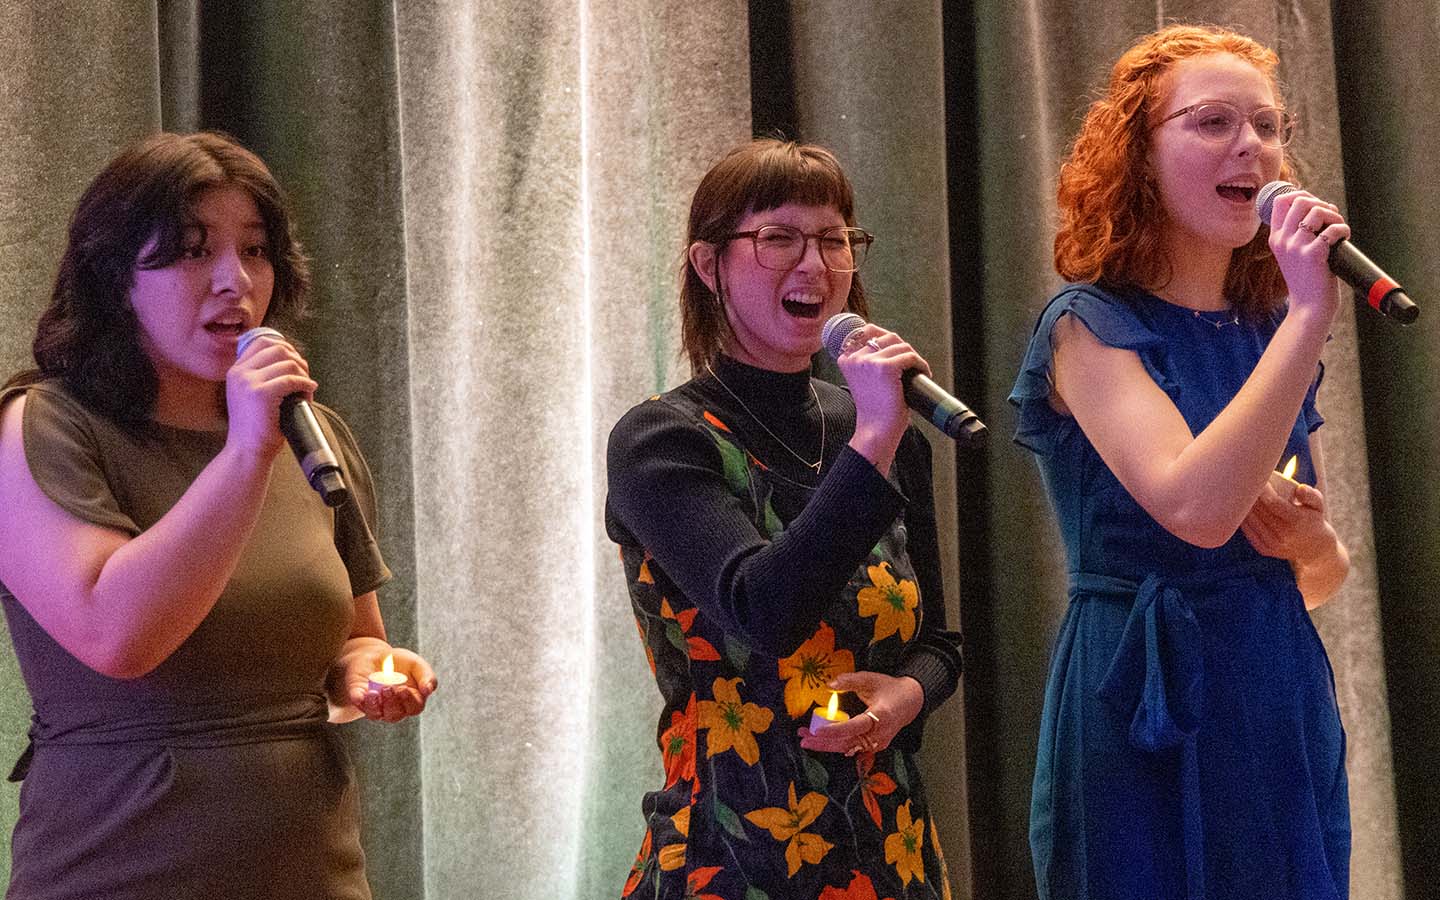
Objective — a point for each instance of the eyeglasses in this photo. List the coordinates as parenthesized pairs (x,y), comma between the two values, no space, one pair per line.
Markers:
(1220,122)
(781,247)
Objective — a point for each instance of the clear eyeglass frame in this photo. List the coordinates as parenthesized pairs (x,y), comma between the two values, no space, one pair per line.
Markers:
(1220,122)
(781,247)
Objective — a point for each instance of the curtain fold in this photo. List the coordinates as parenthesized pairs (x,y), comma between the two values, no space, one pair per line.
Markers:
(1388,124)
(494,195)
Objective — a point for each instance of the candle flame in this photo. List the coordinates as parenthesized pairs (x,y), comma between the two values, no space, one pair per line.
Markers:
(389,664)
(1290,467)
(834,708)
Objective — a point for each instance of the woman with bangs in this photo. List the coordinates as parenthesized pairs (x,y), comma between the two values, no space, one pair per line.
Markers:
(1191,745)
(187,613)
(778,539)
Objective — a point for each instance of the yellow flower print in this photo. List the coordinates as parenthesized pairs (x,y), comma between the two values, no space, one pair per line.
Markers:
(732,723)
(892,601)
(808,670)
(940,858)
(790,824)
(903,848)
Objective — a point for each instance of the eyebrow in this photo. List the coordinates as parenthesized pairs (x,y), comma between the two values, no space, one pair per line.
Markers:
(251,225)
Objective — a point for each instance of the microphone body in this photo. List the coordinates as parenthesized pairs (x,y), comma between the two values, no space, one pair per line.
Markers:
(1351,266)
(303,434)
(922,394)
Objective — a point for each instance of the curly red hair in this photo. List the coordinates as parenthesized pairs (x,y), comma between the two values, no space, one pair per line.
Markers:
(1110,211)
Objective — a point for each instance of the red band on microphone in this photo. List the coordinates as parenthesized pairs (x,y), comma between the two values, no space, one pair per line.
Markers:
(1379,289)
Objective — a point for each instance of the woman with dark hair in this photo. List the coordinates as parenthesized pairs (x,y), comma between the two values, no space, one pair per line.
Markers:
(778,537)
(1191,744)
(182,604)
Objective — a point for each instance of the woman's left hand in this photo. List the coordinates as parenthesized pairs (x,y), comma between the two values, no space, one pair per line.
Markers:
(891,704)
(1296,530)
(353,670)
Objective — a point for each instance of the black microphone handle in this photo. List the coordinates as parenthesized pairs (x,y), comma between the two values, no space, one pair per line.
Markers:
(1371,283)
(307,442)
(944,411)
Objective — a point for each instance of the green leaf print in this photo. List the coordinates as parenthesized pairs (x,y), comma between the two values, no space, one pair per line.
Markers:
(737,653)
(773,525)
(902,776)
(730,821)
(737,467)
(816,774)
(754,893)
(675,634)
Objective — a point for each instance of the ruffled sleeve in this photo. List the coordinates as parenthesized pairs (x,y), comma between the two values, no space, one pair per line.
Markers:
(1107,317)
(64,457)
(354,534)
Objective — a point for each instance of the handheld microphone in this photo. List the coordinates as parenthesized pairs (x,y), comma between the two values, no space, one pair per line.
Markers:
(1350,265)
(302,432)
(921,394)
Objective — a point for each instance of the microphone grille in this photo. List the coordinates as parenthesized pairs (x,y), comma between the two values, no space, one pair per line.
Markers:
(257,332)
(1265,200)
(837,329)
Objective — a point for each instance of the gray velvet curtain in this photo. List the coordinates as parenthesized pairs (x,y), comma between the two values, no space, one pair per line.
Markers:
(494,193)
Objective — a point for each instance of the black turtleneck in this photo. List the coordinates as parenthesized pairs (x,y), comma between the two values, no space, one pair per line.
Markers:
(668,494)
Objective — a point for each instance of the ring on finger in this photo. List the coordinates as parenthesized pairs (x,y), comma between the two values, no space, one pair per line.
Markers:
(873,344)
(854,341)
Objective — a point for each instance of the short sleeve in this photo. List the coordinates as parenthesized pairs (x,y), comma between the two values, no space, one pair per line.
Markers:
(354,532)
(1110,319)
(64,457)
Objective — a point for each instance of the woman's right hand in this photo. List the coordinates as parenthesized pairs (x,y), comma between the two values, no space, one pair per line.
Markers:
(873,363)
(267,372)
(1303,230)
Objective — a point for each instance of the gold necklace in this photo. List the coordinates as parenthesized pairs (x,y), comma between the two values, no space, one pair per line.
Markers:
(809,465)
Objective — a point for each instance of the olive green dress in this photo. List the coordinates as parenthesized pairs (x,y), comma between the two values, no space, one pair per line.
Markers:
(215,775)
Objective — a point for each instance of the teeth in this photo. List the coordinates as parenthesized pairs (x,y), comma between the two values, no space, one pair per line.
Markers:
(804,298)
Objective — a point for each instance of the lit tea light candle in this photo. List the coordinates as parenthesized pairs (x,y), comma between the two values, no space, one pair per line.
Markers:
(387,677)
(824,718)
(1284,482)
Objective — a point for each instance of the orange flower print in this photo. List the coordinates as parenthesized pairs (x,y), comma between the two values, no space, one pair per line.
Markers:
(892,602)
(732,723)
(677,745)
(808,670)
(645,642)
(903,848)
(860,888)
(872,785)
(672,856)
(790,824)
(637,871)
(696,647)
(699,878)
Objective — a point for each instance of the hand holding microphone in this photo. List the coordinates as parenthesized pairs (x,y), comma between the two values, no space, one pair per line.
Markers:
(302,431)
(922,394)
(1351,266)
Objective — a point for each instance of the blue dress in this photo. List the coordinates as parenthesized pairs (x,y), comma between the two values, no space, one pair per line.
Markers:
(1190,745)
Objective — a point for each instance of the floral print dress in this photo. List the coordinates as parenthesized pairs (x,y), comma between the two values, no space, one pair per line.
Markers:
(745,813)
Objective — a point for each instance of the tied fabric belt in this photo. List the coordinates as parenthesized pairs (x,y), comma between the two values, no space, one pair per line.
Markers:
(240,721)
(1158,671)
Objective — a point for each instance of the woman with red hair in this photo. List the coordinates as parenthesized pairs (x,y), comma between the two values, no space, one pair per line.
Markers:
(1191,744)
